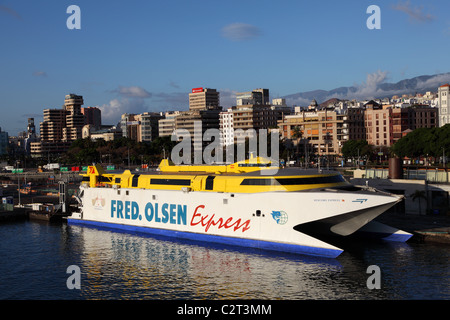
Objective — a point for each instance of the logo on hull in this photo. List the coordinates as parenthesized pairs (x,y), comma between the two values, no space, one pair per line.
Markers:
(280,217)
(98,202)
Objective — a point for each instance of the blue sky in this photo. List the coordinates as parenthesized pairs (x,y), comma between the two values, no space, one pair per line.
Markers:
(137,56)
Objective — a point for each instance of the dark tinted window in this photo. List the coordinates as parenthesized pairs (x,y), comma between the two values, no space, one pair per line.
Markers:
(292,181)
(174,182)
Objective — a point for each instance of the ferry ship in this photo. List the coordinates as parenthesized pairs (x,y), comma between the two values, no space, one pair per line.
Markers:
(248,203)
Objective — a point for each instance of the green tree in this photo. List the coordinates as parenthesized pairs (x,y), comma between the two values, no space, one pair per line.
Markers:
(353,148)
(297,134)
(424,141)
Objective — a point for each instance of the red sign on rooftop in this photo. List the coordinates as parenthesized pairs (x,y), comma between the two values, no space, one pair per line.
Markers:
(195,90)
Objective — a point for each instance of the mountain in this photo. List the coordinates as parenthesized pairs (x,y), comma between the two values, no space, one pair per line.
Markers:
(374,87)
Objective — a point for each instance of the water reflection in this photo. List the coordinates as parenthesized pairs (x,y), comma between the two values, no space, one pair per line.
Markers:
(35,257)
(117,265)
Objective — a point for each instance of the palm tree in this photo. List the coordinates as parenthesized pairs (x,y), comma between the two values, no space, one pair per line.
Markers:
(297,134)
(419,194)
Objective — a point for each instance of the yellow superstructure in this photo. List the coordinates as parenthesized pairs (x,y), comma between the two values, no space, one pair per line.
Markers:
(249,176)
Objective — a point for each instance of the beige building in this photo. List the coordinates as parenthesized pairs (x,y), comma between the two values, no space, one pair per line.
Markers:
(377,123)
(74,121)
(51,129)
(209,119)
(256,117)
(325,130)
(167,124)
(203,98)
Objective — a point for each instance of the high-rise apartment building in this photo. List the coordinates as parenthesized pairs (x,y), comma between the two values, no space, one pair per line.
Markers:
(379,130)
(93,116)
(325,131)
(74,118)
(255,97)
(253,111)
(204,110)
(60,128)
(226,127)
(128,125)
(203,98)
(167,124)
(209,119)
(140,127)
(149,127)
(3,142)
(51,128)
(444,104)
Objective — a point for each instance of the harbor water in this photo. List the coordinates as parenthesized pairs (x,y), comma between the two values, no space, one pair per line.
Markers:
(37,259)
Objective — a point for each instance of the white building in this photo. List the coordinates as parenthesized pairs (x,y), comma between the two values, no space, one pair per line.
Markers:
(444,107)
(226,128)
(279,102)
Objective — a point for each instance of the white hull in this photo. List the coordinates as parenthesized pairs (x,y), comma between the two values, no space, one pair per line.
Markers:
(262,220)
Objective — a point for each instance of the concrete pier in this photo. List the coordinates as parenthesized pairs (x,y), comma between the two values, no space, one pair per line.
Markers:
(425,228)
(14,215)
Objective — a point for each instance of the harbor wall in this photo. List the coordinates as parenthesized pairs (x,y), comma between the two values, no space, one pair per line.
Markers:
(421,197)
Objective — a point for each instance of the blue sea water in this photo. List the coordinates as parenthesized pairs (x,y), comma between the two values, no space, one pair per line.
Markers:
(35,257)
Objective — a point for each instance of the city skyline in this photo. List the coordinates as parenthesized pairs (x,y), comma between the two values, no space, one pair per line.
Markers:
(139,56)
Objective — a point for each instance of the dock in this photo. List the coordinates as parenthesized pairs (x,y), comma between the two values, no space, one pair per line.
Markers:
(13,215)
(425,228)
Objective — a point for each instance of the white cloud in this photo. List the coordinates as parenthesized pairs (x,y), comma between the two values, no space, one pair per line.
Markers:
(298,101)
(112,111)
(435,81)
(133,92)
(414,13)
(240,32)
(369,89)
(227,98)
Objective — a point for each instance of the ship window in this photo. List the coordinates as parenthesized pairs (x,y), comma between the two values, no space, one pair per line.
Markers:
(85,179)
(135,180)
(174,182)
(254,165)
(315,180)
(258,182)
(292,181)
(209,183)
(117,180)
